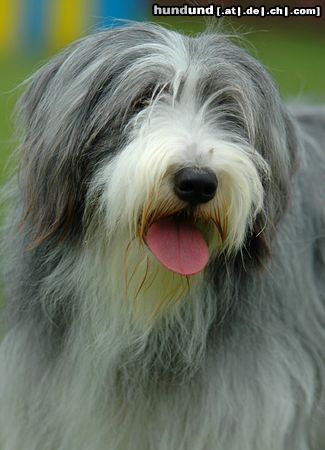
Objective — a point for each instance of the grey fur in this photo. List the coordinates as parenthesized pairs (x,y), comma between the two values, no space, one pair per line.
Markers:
(239,363)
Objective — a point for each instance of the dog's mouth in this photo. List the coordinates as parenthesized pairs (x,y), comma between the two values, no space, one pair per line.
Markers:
(178,244)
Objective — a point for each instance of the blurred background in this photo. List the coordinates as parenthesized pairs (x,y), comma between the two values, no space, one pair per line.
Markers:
(293,49)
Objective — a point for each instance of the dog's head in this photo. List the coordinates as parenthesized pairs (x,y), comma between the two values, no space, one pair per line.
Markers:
(176,146)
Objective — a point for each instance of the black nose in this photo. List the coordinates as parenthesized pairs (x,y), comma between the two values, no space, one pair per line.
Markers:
(194,185)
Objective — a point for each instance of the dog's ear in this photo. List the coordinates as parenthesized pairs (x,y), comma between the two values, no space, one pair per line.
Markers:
(280,148)
(57,137)
(276,139)
(48,187)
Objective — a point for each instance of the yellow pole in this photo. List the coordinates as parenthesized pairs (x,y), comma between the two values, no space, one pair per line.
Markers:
(67,20)
(9,24)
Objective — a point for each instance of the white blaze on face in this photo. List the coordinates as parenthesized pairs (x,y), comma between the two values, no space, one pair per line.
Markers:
(168,135)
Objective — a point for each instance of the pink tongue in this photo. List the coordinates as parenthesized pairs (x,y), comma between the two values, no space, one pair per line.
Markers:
(178,245)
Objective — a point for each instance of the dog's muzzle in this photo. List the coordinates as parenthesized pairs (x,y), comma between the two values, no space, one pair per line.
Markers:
(176,240)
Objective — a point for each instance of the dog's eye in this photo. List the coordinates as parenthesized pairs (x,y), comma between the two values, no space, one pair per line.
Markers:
(144,99)
(152,92)
(227,110)
(140,103)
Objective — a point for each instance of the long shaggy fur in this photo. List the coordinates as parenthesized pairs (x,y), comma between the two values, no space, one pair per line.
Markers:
(107,350)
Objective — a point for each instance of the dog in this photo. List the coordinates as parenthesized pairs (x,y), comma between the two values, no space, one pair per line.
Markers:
(164,252)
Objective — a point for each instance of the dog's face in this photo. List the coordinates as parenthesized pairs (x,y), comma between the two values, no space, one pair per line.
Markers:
(169,150)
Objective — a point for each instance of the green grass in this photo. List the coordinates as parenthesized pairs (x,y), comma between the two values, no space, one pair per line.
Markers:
(294,59)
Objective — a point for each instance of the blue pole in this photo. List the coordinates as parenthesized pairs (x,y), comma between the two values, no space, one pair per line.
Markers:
(33,24)
(108,10)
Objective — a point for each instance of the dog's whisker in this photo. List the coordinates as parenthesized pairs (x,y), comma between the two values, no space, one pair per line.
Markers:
(143,280)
